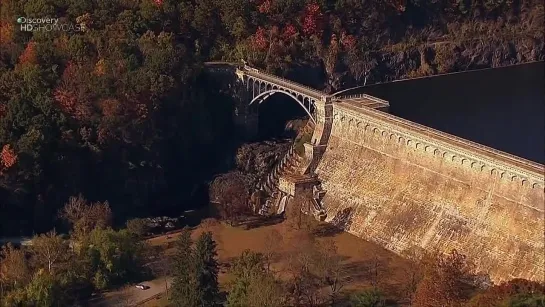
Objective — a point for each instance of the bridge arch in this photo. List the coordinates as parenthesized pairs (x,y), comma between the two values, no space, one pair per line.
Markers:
(261,97)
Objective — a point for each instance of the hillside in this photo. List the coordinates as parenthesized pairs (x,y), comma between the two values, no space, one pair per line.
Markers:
(113,105)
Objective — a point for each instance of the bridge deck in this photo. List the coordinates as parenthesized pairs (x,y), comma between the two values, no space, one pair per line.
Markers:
(527,165)
(306,90)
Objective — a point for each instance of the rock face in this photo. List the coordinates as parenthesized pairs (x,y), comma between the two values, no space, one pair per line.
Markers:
(162,222)
(256,160)
(410,197)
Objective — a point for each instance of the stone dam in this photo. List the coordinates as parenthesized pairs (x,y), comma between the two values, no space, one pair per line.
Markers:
(412,189)
(407,187)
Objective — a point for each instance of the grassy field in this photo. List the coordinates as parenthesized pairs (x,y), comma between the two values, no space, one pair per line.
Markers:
(365,264)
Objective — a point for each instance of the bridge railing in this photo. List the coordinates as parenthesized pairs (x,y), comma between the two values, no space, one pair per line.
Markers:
(427,131)
(289,82)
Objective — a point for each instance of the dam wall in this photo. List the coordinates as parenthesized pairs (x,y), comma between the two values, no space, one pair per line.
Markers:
(413,189)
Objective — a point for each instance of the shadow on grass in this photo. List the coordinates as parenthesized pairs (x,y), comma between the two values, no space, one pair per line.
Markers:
(260,221)
(326,230)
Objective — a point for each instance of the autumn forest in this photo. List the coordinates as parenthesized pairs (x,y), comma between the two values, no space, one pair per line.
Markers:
(117,120)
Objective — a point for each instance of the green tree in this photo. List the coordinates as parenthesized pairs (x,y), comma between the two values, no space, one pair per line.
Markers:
(368,298)
(115,256)
(44,291)
(206,270)
(254,285)
(185,292)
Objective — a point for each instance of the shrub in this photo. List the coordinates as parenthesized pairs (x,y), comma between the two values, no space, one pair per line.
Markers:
(368,298)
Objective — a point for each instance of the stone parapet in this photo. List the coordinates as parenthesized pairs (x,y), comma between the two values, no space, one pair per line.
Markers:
(449,147)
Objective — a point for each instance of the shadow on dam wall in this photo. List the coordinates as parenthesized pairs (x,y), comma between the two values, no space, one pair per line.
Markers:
(502,108)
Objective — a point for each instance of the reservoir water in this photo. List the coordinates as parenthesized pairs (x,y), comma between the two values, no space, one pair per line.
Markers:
(503,108)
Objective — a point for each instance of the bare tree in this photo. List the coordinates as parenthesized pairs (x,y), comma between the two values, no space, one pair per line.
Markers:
(306,269)
(85,216)
(49,248)
(161,268)
(446,282)
(333,272)
(231,192)
(361,64)
(274,241)
(74,209)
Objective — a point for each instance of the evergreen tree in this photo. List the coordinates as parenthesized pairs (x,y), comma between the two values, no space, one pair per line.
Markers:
(253,285)
(184,288)
(206,269)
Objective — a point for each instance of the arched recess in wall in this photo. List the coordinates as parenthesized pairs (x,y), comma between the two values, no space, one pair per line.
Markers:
(360,131)
(350,129)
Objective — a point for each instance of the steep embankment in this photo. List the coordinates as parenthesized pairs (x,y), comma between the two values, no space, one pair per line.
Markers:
(390,185)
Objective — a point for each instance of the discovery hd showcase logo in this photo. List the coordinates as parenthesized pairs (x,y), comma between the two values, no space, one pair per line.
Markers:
(47,24)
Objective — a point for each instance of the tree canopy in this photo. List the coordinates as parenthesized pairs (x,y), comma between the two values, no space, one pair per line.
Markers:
(116,109)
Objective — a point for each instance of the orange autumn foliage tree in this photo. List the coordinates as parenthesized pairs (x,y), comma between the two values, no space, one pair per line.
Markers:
(502,294)
(66,100)
(29,57)
(8,157)
(70,95)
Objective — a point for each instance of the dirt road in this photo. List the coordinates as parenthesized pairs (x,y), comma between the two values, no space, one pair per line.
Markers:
(130,296)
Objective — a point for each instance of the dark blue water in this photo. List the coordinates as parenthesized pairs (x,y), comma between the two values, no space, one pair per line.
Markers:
(502,108)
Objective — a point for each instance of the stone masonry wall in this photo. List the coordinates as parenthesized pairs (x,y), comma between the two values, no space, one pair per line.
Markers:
(385,184)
